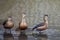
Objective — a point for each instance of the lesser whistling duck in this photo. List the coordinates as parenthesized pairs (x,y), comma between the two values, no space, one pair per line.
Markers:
(23,24)
(8,24)
(42,26)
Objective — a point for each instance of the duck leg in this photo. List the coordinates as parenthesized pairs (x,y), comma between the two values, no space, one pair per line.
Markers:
(10,30)
(40,32)
(5,30)
(22,31)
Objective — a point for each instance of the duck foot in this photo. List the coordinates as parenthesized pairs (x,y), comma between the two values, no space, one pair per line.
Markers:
(40,32)
(22,31)
(8,30)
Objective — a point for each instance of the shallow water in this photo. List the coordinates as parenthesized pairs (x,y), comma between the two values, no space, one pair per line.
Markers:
(49,34)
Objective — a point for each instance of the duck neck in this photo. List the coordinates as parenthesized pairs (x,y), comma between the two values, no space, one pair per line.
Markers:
(23,19)
(9,19)
(46,21)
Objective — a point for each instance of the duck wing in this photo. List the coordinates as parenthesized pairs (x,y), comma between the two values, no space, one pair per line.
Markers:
(5,22)
(39,25)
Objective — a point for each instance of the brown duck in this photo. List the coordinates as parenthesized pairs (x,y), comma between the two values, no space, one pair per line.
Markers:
(23,24)
(42,26)
(8,24)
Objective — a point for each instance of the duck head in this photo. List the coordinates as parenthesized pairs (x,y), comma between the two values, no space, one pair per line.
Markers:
(9,18)
(23,15)
(45,18)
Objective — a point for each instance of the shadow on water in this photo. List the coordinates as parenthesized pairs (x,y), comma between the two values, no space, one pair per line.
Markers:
(22,37)
(50,34)
(17,29)
(40,36)
(8,36)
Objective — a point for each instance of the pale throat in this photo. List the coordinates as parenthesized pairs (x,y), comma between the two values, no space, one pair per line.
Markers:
(23,18)
(46,21)
(9,19)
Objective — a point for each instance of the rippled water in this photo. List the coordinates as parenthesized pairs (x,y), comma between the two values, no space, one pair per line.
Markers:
(50,34)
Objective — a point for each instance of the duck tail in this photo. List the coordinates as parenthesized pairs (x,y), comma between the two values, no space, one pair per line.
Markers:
(33,28)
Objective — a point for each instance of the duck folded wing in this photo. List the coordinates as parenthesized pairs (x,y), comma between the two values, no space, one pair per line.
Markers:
(42,27)
(5,22)
(39,25)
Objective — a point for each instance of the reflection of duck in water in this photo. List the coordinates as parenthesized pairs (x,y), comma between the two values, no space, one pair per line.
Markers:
(22,37)
(8,24)
(42,26)
(8,36)
(41,37)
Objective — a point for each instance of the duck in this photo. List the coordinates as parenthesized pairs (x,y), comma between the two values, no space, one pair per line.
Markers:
(42,26)
(8,24)
(23,25)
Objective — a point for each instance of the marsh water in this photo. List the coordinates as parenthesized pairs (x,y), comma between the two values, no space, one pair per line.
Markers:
(49,34)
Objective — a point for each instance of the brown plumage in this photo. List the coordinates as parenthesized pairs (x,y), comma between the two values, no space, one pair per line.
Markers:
(42,26)
(23,24)
(8,24)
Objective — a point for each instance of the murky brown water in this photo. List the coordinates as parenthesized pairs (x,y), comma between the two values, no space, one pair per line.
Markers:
(50,34)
